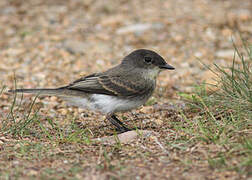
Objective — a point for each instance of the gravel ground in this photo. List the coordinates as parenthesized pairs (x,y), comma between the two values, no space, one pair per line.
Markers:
(50,43)
(42,39)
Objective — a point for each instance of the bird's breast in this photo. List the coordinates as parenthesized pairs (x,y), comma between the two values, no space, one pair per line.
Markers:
(111,104)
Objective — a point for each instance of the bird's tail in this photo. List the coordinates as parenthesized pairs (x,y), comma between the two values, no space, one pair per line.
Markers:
(61,92)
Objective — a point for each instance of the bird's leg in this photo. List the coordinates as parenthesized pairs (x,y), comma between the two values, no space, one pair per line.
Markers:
(120,127)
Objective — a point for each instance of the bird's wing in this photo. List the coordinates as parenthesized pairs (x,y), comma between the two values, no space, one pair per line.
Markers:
(109,85)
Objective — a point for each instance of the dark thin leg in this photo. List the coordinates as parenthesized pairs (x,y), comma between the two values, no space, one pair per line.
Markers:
(120,127)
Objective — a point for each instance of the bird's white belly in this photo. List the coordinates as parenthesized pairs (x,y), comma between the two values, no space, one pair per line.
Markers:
(110,104)
(105,103)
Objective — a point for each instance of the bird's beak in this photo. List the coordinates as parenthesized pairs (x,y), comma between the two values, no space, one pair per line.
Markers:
(166,66)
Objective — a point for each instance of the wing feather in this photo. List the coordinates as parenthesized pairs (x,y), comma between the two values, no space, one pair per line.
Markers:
(110,85)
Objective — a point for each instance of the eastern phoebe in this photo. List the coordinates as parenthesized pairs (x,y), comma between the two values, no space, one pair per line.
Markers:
(119,89)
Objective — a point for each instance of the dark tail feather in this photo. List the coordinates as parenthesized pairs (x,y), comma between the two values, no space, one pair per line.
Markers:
(51,92)
(37,91)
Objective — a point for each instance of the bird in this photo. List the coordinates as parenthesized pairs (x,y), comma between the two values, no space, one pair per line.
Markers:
(122,88)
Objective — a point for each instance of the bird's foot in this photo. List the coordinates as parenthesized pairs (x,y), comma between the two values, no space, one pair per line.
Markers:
(120,127)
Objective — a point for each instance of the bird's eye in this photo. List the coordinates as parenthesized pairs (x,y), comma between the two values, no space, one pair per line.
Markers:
(147,59)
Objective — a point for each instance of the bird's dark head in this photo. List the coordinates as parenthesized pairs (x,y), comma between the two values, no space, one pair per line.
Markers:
(146,59)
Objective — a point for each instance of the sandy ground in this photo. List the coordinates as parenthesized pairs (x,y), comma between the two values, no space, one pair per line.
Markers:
(47,43)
